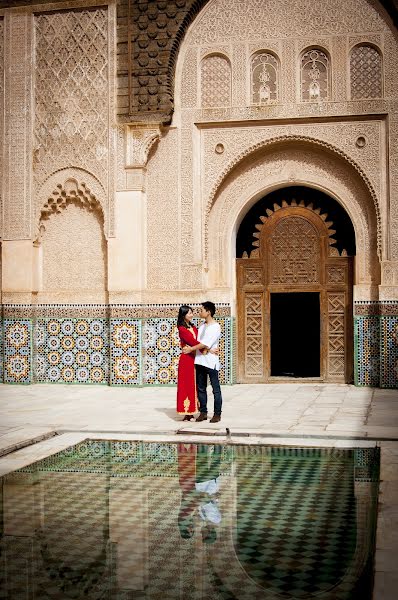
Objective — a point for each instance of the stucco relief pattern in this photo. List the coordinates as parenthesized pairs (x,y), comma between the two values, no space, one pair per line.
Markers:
(17,201)
(305,18)
(189,93)
(240,75)
(341,135)
(393,221)
(73,97)
(1,115)
(186,181)
(390,65)
(215,81)
(339,52)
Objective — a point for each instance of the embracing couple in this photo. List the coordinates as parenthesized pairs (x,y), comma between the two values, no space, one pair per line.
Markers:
(200,356)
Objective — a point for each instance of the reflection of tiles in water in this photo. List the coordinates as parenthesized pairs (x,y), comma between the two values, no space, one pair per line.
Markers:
(101,518)
(124,459)
(297,525)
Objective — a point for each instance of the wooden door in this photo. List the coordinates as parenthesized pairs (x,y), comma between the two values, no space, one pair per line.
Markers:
(294,253)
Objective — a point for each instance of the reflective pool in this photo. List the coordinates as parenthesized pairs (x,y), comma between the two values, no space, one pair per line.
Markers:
(134,520)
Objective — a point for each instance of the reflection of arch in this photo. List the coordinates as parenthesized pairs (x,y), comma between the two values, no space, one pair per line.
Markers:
(71,185)
(282,162)
(235,581)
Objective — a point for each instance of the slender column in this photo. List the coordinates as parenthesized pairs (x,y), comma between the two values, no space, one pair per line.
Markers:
(17,165)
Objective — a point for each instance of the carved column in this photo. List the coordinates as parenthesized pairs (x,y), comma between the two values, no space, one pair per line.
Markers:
(127,251)
(17,165)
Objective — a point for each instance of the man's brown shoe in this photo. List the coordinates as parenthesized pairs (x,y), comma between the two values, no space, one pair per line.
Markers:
(215,419)
(201,417)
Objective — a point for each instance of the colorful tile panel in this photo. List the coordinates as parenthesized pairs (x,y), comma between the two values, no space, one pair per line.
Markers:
(389,352)
(17,350)
(125,351)
(367,355)
(161,350)
(71,351)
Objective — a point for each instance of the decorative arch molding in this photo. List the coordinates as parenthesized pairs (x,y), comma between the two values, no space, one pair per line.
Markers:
(151,23)
(277,166)
(286,140)
(70,185)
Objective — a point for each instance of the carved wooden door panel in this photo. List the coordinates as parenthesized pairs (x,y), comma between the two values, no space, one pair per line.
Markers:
(294,253)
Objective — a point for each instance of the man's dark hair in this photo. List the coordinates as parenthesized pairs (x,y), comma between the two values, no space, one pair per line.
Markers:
(210,306)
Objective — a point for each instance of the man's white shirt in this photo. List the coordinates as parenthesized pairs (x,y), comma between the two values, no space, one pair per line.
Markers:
(208,335)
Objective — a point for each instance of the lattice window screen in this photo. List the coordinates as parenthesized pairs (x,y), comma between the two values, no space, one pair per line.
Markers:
(264,78)
(315,76)
(366,72)
(215,81)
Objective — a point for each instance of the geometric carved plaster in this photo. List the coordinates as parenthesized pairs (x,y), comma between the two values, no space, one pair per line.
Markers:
(278,166)
(69,185)
(286,141)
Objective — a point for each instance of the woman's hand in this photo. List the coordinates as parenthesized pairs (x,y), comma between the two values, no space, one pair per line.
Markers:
(186,349)
(213,351)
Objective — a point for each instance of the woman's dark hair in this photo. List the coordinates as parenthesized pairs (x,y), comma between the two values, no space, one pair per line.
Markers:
(184,309)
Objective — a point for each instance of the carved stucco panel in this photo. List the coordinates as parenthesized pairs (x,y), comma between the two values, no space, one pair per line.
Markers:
(341,135)
(390,65)
(339,68)
(240,75)
(305,18)
(289,166)
(289,75)
(187,191)
(120,132)
(58,179)
(75,97)
(163,229)
(393,221)
(189,93)
(18,83)
(1,115)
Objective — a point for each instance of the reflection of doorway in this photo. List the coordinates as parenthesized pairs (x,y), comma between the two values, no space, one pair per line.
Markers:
(295,334)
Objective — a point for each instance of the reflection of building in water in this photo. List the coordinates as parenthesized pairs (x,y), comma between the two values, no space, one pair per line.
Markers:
(139,135)
(102,521)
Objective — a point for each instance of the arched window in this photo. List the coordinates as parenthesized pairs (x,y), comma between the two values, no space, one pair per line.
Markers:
(315,75)
(264,78)
(215,81)
(366,72)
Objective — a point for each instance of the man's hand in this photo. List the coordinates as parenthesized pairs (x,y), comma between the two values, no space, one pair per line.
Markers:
(186,349)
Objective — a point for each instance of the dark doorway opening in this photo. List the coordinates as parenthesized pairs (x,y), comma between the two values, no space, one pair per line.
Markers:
(295,334)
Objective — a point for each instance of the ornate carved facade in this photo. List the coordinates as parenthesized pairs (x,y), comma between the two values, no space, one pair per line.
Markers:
(163,123)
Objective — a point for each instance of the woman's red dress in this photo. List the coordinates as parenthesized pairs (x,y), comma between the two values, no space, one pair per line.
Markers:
(187,402)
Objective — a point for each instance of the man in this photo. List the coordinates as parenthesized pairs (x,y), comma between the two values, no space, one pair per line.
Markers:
(207,364)
(208,464)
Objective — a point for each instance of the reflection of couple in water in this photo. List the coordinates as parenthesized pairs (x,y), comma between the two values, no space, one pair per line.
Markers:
(199,473)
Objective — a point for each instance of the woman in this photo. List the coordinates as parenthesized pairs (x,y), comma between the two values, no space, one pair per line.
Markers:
(187,402)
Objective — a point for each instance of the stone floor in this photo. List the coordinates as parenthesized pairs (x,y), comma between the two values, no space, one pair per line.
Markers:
(38,420)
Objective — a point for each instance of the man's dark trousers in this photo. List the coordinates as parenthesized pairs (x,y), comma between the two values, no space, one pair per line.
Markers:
(202,373)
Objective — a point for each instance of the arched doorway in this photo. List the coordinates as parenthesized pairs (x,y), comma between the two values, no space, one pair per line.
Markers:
(294,289)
